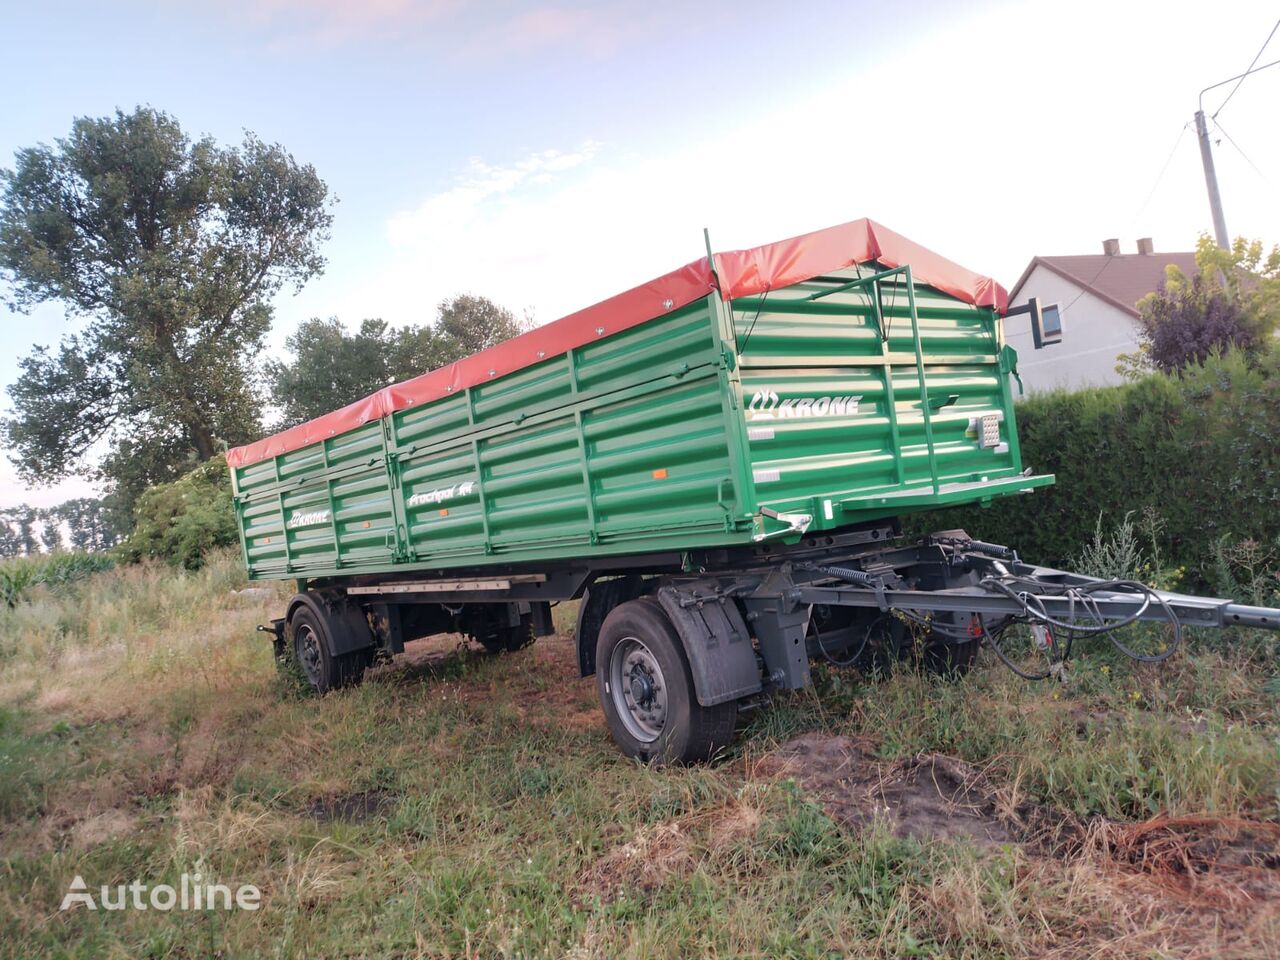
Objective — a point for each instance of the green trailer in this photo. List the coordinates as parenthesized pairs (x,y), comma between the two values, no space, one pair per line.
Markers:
(687,457)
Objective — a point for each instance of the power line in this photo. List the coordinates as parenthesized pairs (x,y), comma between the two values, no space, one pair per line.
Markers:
(1163,170)
(1087,288)
(1223,130)
(1246,73)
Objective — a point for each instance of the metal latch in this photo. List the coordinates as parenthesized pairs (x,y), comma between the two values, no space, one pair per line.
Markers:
(795,523)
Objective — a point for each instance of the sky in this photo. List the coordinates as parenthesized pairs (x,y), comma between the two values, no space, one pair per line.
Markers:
(548,155)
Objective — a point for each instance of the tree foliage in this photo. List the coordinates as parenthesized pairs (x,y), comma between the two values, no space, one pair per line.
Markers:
(332,366)
(167,251)
(89,523)
(181,521)
(1232,302)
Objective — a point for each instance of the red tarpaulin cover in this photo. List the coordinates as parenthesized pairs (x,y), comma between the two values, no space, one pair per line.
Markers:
(740,273)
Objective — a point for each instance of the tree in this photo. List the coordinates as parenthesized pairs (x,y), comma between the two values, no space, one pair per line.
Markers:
(51,530)
(10,545)
(24,519)
(332,367)
(168,252)
(1233,301)
(183,520)
(467,324)
(86,521)
(88,524)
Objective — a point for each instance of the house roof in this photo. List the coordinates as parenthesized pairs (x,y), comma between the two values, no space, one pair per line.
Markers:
(1120,280)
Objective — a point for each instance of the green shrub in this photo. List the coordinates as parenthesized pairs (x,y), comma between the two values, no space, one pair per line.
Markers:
(1247,570)
(181,521)
(1201,450)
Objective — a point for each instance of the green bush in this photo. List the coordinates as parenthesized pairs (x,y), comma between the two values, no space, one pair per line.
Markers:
(181,521)
(1201,451)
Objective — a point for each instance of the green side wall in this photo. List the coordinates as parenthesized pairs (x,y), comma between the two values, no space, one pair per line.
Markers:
(646,441)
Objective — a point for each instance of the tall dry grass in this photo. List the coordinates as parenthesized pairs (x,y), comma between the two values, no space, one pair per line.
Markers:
(461,805)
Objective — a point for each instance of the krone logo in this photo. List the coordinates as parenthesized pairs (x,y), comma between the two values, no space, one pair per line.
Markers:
(308,518)
(766,405)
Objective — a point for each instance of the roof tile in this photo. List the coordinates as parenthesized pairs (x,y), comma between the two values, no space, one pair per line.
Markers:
(1121,280)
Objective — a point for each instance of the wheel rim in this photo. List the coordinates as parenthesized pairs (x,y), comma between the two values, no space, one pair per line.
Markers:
(638,689)
(308,646)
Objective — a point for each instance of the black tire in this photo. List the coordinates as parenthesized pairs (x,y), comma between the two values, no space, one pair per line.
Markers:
(498,636)
(868,641)
(946,658)
(655,716)
(319,669)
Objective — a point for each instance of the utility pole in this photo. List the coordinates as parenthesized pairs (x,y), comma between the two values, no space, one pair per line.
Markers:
(1206,153)
(1211,182)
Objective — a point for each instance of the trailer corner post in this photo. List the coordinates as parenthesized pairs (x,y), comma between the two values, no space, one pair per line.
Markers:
(924,387)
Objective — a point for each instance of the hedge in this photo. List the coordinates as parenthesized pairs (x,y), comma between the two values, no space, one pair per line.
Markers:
(1202,450)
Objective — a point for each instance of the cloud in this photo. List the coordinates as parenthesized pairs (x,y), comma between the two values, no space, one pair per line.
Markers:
(989,172)
(461,205)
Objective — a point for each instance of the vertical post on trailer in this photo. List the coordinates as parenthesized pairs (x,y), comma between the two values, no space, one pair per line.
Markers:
(890,396)
(924,388)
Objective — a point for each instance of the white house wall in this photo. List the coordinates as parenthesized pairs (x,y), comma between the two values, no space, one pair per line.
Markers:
(1094,334)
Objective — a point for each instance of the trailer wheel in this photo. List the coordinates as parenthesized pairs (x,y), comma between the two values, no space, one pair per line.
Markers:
(866,640)
(646,690)
(505,638)
(321,670)
(946,658)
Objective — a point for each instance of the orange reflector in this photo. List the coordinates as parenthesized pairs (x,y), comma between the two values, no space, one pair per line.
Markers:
(444,513)
(367,524)
(266,539)
(660,474)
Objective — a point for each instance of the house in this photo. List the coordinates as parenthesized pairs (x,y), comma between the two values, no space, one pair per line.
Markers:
(1097,295)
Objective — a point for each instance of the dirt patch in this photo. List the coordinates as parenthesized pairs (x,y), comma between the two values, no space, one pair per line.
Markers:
(429,660)
(643,863)
(540,683)
(658,852)
(101,828)
(553,693)
(928,797)
(352,807)
(1220,861)
(1205,877)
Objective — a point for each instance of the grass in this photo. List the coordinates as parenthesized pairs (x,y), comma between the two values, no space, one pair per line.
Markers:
(461,805)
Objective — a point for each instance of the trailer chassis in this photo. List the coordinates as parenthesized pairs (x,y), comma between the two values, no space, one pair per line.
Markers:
(716,631)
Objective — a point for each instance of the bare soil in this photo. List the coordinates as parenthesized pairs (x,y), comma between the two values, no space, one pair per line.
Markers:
(927,798)
(352,807)
(662,850)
